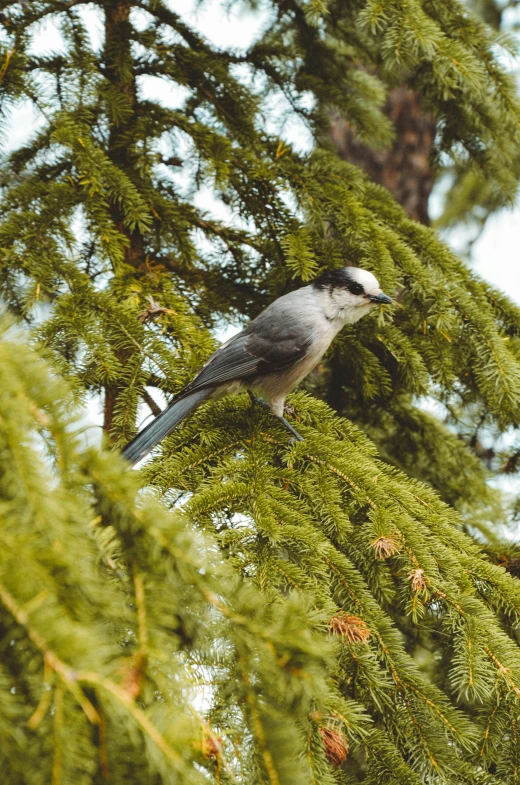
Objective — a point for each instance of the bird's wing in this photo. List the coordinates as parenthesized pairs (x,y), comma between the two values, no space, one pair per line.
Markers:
(273,341)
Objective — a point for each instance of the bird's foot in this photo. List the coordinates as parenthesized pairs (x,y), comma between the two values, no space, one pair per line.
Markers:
(296,437)
(256,401)
(290,410)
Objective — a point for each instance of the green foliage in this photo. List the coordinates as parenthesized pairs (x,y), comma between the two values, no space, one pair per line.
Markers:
(472,198)
(299,256)
(95,221)
(328,518)
(130,649)
(335,623)
(122,628)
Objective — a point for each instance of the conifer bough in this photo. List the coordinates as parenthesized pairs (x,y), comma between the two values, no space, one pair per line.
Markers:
(336,623)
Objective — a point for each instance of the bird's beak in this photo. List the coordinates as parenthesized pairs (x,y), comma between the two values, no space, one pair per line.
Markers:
(380,298)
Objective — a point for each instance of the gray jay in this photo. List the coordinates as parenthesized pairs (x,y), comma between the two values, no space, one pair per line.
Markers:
(271,356)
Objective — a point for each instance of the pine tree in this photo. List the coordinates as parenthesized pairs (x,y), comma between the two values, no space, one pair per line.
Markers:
(409,169)
(243,609)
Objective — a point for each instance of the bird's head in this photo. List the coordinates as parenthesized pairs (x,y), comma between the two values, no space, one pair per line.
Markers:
(350,292)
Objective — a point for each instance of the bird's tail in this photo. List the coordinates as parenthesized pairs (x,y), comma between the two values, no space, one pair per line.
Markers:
(162,425)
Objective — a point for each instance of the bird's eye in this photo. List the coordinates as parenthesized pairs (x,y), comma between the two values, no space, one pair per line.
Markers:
(355,288)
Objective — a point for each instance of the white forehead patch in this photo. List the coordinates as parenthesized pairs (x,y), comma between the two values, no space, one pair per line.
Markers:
(368,281)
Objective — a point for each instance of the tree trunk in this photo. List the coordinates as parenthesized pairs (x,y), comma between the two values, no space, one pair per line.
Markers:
(404,168)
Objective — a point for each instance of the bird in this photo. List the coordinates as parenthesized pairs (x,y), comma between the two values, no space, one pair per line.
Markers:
(278,349)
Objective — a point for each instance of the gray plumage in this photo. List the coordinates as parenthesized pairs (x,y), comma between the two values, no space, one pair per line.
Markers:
(163,424)
(278,349)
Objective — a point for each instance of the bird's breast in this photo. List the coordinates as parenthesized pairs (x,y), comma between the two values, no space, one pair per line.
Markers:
(315,352)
